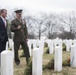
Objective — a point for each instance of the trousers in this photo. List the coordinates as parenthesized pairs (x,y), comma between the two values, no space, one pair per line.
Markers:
(25,48)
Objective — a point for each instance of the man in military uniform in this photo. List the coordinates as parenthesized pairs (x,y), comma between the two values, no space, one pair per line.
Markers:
(18,26)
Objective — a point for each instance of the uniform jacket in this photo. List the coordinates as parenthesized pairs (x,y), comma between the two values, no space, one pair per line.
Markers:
(19,34)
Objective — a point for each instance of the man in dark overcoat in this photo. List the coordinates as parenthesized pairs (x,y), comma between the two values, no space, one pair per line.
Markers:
(3,29)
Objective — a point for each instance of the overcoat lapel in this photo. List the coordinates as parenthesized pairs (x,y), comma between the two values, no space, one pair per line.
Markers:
(2,22)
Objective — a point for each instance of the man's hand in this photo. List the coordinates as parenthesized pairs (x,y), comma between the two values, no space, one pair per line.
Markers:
(19,27)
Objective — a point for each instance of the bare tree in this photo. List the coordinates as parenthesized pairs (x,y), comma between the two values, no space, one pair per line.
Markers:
(51,25)
(37,24)
(69,22)
(29,22)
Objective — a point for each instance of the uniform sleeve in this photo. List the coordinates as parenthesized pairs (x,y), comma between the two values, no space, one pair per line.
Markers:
(26,31)
(13,27)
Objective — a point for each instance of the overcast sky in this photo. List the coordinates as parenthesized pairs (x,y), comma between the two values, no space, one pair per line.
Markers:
(41,5)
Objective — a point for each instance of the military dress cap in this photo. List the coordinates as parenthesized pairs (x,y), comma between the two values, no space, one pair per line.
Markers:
(18,11)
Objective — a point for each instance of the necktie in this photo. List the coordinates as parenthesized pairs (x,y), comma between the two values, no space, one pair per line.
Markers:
(4,22)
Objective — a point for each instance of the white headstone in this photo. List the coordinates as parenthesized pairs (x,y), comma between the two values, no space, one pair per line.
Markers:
(38,41)
(29,45)
(58,59)
(41,46)
(37,62)
(74,42)
(34,44)
(51,48)
(73,56)
(10,43)
(13,48)
(55,42)
(6,63)
(67,46)
(7,45)
(70,43)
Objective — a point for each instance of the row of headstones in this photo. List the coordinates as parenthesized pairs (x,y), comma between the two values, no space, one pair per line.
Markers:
(7,57)
(51,44)
(37,59)
(68,44)
(40,43)
(38,55)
